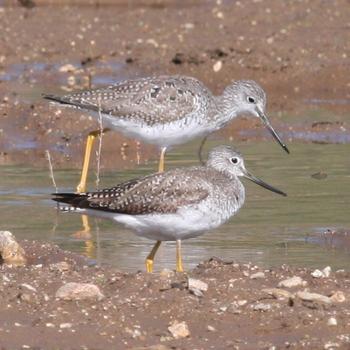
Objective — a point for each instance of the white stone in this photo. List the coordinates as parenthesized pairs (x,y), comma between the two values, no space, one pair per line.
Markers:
(65,325)
(338,297)
(257,275)
(197,287)
(10,251)
(317,274)
(332,322)
(307,296)
(294,281)
(79,291)
(327,271)
(217,66)
(179,330)
(262,307)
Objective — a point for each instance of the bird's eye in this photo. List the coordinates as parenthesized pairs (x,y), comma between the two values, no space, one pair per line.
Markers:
(234,160)
(251,99)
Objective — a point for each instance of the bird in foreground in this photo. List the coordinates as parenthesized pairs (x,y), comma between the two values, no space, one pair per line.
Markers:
(178,204)
(166,110)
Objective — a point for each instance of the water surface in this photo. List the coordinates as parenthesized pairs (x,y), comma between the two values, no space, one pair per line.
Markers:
(269,230)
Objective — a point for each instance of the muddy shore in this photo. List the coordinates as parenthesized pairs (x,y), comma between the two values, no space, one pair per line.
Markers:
(218,305)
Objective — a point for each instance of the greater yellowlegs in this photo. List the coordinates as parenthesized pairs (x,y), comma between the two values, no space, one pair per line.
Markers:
(174,205)
(166,110)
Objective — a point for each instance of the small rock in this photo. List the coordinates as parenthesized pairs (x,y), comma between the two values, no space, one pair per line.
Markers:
(307,296)
(332,322)
(197,287)
(257,275)
(60,266)
(211,328)
(294,281)
(242,302)
(67,68)
(278,293)
(179,330)
(331,346)
(10,251)
(337,297)
(29,287)
(262,307)
(50,325)
(79,291)
(217,66)
(65,325)
(327,271)
(317,274)
(322,274)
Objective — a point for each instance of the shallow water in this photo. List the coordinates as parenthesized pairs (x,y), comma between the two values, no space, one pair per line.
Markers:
(269,230)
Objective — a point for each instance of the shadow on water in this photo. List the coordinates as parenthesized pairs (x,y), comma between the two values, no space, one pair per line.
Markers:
(269,229)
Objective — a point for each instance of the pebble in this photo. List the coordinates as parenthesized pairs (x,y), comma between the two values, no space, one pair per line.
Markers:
(278,293)
(307,296)
(179,330)
(65,325)
(332,322)
(257,275)
(60,266)
(10,251)
(262,307)
(294,281)
(29,287)
(211,328)
(321,274)
(197,287)
(67,68)
(217,66)
(337,297)
(79,291)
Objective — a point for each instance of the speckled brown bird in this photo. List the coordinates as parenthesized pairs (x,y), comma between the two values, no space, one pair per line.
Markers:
(174,205)
(166,110)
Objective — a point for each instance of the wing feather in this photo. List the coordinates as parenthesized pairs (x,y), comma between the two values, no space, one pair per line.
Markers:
(145,100)
(155,193)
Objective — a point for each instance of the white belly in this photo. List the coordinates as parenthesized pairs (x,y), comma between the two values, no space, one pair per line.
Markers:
(162,135)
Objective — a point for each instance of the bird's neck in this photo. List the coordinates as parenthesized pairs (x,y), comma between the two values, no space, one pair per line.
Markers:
(226,110)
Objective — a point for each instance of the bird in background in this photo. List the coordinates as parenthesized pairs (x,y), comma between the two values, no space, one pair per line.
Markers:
(165,111)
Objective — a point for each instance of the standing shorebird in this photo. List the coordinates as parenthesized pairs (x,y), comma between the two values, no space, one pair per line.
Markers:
(174,205)
(166,110)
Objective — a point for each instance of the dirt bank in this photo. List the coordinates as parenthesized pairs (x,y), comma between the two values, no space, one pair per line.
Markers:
(234,306)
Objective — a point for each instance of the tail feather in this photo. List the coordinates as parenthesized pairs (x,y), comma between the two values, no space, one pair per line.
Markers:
(66,101)
(73,199)
(55,98)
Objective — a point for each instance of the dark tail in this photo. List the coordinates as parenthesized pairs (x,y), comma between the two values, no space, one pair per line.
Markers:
(57,99)
(73,199)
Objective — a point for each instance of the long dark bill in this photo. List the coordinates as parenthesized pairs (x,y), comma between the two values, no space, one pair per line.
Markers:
(263,184)
(272,130)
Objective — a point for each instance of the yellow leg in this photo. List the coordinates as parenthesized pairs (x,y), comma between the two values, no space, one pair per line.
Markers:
(88,148)
(150,257)
(179,267)
(161,160)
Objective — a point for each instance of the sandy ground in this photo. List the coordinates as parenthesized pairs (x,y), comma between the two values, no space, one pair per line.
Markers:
(243,307)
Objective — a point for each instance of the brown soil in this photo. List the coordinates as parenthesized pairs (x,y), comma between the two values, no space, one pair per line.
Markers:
(298,51)
(234,313)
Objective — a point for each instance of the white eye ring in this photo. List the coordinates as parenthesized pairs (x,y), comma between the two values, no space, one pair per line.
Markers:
(234,160)
(251,99)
